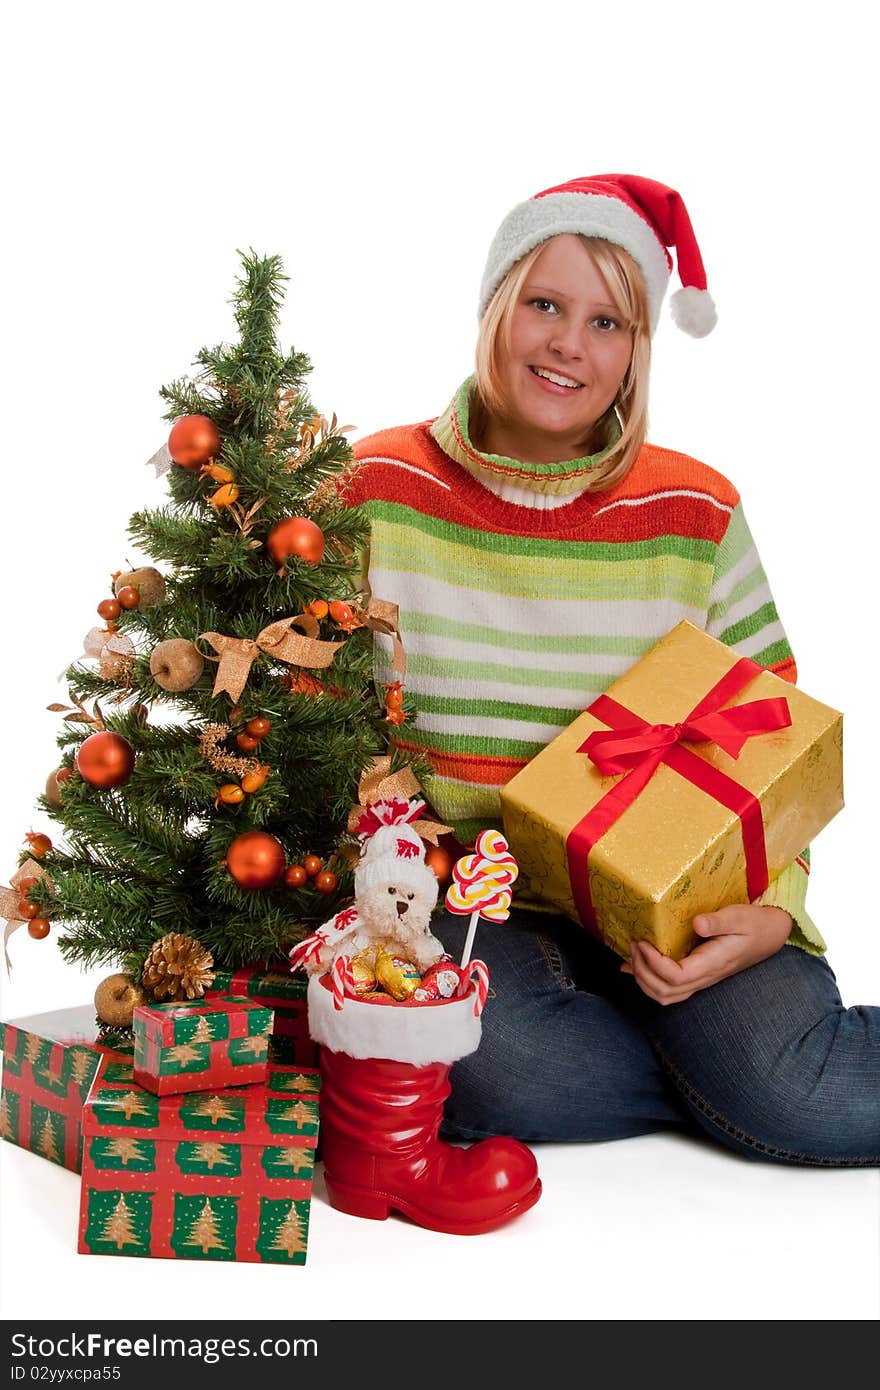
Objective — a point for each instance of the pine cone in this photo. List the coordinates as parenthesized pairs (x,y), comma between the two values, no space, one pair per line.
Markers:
(178,967)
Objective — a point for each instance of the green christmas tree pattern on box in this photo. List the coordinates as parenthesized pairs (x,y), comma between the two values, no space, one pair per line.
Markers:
(215,1176)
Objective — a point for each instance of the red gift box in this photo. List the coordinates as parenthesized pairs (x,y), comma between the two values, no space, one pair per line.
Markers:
(285,995)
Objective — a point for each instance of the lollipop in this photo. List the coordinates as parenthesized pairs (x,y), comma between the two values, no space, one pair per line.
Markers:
(480,884)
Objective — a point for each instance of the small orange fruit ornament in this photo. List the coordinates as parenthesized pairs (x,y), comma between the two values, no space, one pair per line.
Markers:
(312,865)
(340,612)
(252,781)
(295,876)
(326,882)
(224,496)
(230,794)
(38,927)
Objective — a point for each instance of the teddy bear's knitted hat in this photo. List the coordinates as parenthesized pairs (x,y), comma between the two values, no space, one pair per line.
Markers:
(392,853)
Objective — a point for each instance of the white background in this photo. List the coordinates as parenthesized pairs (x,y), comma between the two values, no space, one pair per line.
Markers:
(376,148)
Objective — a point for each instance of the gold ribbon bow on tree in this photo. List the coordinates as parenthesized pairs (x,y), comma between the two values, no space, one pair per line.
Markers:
(11,897)
(381,616)
(238,654)
(379,783)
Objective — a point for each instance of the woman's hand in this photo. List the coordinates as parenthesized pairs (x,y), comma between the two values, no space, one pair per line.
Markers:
(737,937)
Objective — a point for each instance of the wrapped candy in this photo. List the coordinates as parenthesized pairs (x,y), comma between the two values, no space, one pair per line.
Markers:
(440,981)
(363,972)
(397,977)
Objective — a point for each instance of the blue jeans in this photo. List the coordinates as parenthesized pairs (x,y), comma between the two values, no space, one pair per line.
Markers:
(768,1063)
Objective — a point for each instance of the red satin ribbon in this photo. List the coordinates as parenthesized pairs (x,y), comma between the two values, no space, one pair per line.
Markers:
(636,748)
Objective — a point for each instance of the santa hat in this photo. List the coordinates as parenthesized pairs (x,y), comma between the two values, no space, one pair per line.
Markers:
(641,215)
(391,850)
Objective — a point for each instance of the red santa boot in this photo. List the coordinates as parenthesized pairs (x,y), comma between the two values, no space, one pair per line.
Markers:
(384,1079)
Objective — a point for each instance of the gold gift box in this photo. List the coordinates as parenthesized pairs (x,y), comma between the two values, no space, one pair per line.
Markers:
(675,851)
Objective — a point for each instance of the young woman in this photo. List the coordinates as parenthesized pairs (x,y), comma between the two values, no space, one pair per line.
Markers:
(537,547)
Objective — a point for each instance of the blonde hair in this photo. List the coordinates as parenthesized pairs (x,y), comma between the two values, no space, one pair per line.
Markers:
(627,286)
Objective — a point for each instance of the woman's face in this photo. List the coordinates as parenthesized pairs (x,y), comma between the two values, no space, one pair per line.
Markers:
(569,352)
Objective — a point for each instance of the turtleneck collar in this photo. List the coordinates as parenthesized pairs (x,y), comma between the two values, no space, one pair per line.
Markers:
(554,483)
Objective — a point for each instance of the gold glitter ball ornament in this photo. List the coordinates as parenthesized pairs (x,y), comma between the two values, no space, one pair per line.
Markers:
(178,967)
(116,999)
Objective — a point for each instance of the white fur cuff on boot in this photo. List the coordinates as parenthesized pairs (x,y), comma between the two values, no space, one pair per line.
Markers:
(422,1034)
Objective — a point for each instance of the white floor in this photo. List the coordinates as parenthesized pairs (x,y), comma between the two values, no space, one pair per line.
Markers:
(660,1228)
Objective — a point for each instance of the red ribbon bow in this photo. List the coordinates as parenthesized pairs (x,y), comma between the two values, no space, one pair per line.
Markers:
(636,748)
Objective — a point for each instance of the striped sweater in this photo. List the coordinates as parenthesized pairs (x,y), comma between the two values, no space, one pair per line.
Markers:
(523,597)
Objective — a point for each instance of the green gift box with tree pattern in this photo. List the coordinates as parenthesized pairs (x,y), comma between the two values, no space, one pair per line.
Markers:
(201,1044)
(49,1063)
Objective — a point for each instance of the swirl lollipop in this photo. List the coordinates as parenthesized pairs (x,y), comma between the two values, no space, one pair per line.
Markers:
(481,884)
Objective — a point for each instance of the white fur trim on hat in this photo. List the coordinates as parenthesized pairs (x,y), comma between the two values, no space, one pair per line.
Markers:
(694,311)
(591,214)
(419,1034)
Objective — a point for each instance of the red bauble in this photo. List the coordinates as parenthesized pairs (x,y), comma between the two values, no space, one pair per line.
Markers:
(194,440)
(109,609)
(105,760)
(38,927)
(312,865)
(255,860)
(295,876)
(326,881)
(441,863)
(298,536)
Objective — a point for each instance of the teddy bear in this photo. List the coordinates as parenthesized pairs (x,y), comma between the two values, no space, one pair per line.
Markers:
(395,894)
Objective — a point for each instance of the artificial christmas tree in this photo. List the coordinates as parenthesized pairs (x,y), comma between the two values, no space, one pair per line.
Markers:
(206,776)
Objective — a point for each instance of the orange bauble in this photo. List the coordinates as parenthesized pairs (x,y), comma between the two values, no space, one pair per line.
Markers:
(297,536)
(255,860)
(326,882)
(105,760)
(295,876)
(437,859)
(194,440)
(312,865)
(39,927)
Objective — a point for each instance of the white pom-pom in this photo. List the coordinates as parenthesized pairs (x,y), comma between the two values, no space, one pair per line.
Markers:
(694,311)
